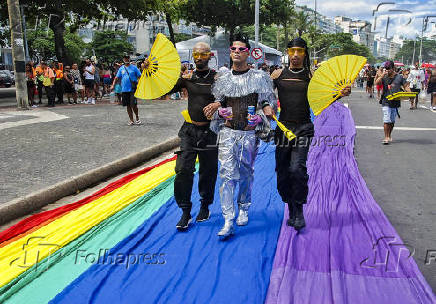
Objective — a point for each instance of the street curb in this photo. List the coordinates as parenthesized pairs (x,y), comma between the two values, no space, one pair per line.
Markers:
(25,205)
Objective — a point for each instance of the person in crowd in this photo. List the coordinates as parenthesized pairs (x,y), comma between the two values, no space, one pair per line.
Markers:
(392,82)
(30,81)
(49,77)
(370,76)
(379,87)
(107,80)
(247,101)
(78,84)
(69,86)
(196,138)
(97,80)
(117,88)
(129,75)
(89,75)
(431,88)
(39,79)
(416,80)
(59,81)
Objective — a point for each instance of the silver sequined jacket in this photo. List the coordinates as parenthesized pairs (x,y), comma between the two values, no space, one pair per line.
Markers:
(254,81)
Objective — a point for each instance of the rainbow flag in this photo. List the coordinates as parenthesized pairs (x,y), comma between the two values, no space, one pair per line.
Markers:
(120,245)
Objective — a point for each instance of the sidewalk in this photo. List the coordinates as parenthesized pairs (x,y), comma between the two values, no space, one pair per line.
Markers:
(43,146)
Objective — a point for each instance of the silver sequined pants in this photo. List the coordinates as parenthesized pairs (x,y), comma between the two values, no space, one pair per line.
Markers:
(237,152)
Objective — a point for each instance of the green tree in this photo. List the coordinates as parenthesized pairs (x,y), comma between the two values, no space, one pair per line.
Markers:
(172,11)
(5,34)
(228,14)
(331,45)
(77,12)
(110,45)
(42,44)
(428,51)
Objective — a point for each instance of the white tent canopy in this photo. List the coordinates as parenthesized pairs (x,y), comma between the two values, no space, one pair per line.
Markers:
(220,47)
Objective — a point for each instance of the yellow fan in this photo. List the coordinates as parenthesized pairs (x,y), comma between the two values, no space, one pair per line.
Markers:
(162,73)
(330,78)
(288,133)
(401,95)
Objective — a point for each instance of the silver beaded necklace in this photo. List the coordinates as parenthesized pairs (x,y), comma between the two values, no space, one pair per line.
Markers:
(296,71)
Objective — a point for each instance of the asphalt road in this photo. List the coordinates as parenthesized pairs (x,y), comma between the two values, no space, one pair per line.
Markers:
(402,175)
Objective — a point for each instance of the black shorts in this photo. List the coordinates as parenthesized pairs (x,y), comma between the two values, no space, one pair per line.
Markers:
(128,98)
(89,83)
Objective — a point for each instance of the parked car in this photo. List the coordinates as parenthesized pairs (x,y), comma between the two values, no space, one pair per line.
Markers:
(11,75)
(5,79)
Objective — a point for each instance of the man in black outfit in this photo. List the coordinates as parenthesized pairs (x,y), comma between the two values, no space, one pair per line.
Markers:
(197,139)
(292,84)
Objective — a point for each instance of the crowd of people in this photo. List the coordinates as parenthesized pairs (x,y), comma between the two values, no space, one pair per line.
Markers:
(85,82)
(420,80)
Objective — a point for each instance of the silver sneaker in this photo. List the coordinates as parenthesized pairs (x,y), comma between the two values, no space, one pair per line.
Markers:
(227,230)
(242,219)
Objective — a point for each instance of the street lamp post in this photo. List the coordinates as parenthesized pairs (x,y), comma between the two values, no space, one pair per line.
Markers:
(414,45)
(424,27)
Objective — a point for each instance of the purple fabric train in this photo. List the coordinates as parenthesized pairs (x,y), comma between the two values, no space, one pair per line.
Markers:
(348,252)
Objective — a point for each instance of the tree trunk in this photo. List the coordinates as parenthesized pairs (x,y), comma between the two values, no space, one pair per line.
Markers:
(170,27)
(231,35)
(57,25)
(285,27)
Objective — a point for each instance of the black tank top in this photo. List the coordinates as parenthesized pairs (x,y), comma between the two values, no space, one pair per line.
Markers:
(199,93)
(292,90)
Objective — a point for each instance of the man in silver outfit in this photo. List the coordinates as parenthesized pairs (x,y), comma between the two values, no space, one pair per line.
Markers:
(239,131)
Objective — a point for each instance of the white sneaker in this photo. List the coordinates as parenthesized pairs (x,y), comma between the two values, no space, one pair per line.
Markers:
(93,101)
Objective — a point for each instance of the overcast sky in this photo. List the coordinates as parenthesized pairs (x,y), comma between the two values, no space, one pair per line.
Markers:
(362,9)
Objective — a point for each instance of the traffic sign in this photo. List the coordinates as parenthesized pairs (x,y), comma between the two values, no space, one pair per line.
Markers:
(257,53)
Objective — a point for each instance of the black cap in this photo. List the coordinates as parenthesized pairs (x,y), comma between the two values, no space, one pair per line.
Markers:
(297,42)
(126,55)
(389,64)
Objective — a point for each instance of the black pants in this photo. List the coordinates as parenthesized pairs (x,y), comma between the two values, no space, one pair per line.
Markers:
(51,95)
(417,95)
(59,88)
(291,166)
(39,87)
(195,141)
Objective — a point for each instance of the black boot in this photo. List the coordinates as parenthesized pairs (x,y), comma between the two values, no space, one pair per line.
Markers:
(291,220)
(184,220)
(204,213)
(300,223)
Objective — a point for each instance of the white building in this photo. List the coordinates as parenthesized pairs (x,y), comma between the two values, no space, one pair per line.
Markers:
(387,47)
(431,34)
(360,29)
(323,23)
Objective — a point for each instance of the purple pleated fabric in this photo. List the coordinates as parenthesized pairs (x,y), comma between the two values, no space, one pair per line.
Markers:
(349,252)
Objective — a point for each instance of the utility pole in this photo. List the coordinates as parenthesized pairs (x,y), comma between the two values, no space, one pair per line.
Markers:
(26,48)
(424,28)
(422,35)
(413,57)
(256,24)
(18,54)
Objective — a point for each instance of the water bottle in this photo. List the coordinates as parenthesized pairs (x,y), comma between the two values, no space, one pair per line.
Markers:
(251,111)
(112,97)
